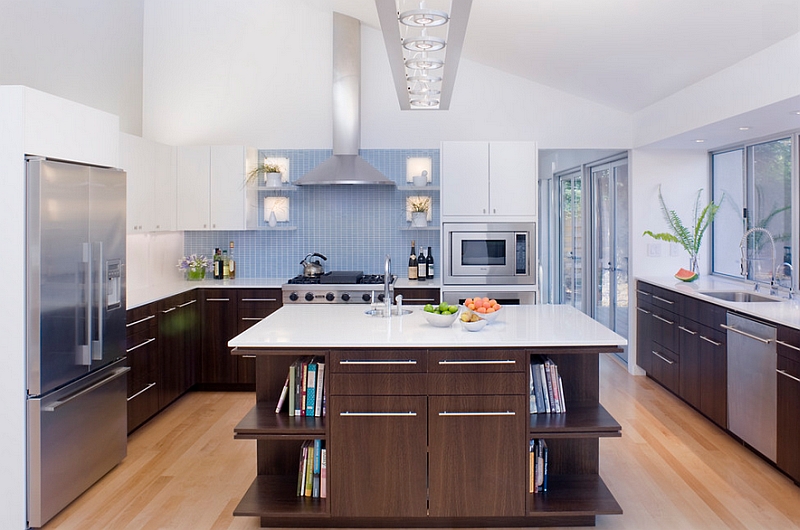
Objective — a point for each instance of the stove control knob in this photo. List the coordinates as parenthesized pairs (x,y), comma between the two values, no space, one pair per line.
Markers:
(309,297)
(346,297)
(293,297)
(330,297)
(380,297)
(365,297)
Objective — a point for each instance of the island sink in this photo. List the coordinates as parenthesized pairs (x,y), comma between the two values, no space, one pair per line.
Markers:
(739,296)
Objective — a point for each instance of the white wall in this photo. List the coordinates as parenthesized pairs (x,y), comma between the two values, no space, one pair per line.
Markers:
(212,75)
(89,51)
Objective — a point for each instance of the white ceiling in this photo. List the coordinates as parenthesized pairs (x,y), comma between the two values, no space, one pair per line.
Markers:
(626,54)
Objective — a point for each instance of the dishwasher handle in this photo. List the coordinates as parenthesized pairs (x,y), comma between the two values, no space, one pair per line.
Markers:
(746,334)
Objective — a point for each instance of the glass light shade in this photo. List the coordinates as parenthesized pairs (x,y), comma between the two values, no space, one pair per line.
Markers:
(277,205)
(423,44)
(423,18)
(424,103)
(424,63)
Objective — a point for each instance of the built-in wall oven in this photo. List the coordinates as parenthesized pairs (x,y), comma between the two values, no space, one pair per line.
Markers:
(489,254)
(455,296)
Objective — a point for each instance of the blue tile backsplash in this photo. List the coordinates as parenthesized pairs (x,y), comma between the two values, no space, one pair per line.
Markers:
(354,226)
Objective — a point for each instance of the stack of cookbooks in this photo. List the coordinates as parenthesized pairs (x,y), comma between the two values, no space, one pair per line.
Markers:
(304,388)
(546,388)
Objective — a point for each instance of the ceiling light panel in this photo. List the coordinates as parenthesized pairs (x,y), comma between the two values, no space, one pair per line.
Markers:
(423,41)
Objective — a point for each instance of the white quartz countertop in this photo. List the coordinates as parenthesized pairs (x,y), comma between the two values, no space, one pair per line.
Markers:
(145,295)
(344,326)
(784,311)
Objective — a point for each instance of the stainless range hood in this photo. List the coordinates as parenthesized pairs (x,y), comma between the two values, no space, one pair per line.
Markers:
(345,166)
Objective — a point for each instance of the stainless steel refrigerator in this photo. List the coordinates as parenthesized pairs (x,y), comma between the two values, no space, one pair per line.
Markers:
(77,382)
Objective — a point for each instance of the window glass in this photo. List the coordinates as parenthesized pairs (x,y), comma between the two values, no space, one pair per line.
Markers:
(727,230)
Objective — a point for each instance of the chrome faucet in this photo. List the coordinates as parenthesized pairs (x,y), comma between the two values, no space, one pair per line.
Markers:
(387,281)
(782,267)
(744,263)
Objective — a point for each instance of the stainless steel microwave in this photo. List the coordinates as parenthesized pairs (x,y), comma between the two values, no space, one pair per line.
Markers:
(489,253)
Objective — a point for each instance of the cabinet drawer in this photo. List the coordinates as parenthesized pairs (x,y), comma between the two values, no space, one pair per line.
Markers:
(486,384)
(666,368)
(378,384)
(664,328)
(459,361)
(789,343)
(666,299)
(140,319)
(380,361)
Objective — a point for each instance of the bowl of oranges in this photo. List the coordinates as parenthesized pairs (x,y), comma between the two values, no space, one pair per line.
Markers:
(486,308)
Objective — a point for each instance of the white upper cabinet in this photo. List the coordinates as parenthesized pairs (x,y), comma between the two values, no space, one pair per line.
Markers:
(211,186)
(485,179)
(163,165)
(150,185)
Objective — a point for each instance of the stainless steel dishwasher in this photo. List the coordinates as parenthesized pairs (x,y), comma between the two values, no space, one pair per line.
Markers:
(752,383)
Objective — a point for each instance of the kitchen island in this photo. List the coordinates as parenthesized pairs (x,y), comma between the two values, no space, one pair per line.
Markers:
(428,426)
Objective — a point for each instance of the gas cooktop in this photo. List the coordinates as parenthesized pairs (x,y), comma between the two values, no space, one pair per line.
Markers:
(336,287)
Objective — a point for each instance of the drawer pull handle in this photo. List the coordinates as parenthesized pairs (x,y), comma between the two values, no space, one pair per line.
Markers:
(218,299)
(643,293)
(645,311)
(662,319)
(142,391)
(377,414)
(259,299)
(248,356)
(670,302)
(145,343)
(368,361)
(428,300)
(500,413)
(715,343)
(478,361)
(190,302)
(748,335)
(145,319)
(790,376)
(253,319)
(170,310)
(787,345)
(668,361)
(689,331)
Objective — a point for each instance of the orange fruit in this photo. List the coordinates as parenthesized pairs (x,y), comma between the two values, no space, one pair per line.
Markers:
(467,302)
(471,306)
(490,310)
(481,310)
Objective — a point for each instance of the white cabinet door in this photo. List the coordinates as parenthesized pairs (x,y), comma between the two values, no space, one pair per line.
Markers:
(165,186)
(228,187)
(512,178)
(193,166)
(139,201)
(465,177)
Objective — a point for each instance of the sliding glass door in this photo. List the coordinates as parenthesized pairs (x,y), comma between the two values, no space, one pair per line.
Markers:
(570,231)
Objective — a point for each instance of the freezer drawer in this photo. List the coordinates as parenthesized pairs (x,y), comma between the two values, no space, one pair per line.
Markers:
(75,436)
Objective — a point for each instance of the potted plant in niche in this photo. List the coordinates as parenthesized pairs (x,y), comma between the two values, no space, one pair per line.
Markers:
(273,174)
(687,237)
(419,208)
(195,266)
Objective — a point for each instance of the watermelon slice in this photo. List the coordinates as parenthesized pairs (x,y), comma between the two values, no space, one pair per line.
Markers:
(686,275)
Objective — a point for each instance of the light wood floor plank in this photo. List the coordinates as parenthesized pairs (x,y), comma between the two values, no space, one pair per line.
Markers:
(672,469)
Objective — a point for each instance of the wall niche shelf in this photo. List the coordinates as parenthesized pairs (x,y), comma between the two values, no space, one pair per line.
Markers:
(418,188)
(412,228)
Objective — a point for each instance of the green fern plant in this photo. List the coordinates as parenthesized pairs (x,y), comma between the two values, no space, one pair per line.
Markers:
(687,237)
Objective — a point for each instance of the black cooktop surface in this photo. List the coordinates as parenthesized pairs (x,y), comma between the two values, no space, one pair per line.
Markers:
(340,278)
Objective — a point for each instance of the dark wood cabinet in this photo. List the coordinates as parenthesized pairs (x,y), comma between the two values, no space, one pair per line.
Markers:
(218,368)
(177,345)
(419,295)
(142,353)
(644,328)
(788,390)
(253,305)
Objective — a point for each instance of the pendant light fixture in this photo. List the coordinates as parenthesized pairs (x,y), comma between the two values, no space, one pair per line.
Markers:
(422,37)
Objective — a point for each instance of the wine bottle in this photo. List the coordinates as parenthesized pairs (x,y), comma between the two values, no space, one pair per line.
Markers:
(231,262)
(217,264)
(226,271)
(430,264)
(412,262)
(422,266)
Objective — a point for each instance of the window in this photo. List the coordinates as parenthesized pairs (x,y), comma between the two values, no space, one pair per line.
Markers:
(756,182)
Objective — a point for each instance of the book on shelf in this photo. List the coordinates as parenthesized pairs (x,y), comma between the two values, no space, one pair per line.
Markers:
(311,388)
(312,471)
(538,466)
(304,388)
(284,392)
(320,389)
(547,388)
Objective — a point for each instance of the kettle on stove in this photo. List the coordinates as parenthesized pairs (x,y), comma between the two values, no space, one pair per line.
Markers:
(312,269)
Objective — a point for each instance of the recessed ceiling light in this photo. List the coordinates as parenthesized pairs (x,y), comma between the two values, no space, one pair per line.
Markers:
(744,128)
(797,112)
(699,141)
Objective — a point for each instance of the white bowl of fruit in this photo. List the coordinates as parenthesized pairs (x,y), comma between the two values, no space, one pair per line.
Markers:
(485,307)
(440,315)
(471,321)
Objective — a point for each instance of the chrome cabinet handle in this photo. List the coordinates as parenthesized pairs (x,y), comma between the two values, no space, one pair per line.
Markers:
(477,361)
(668,361)
(170,310)
(145,343)
(253,319)
(643,293)
(248,356)
(190,302)
(748,335)
(782,343)
(670,302)
(688,330)
(645,311)
(428,300)
(790,376)
(145,319)
(715,343)
(499,413)
(259,299)
(218,299)
(377,414)
(142,391)
(352,361)
(662,319)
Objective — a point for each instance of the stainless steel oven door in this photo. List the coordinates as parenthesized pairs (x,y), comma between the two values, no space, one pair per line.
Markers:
(502,297)
(489,253)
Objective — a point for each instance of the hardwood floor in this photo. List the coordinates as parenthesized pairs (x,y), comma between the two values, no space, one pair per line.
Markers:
(672,469)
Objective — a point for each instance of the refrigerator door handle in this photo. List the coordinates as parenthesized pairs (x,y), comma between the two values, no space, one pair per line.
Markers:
(85,350)
(119,372)
(99,286)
